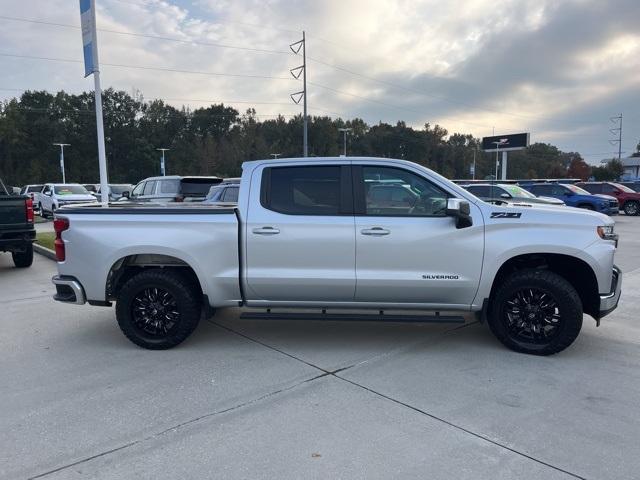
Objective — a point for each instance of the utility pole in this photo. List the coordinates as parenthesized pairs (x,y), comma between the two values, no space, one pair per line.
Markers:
(617,130)
(301,95)
(473,169)
(344,131)
(62,145)
(503,141)
(162,164)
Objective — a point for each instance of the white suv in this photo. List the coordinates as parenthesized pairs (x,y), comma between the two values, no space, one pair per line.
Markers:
(56,195)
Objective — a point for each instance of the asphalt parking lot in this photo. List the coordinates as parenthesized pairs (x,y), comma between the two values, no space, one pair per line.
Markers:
(275,399)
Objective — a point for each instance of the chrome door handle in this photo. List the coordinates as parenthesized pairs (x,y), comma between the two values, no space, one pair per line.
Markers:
(375,231)
(266,231)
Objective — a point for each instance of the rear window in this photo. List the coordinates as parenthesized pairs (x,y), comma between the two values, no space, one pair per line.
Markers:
(70,190)
(303,190)
(198,187)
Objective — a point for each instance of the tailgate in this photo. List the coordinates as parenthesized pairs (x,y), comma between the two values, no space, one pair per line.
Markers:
(13,213)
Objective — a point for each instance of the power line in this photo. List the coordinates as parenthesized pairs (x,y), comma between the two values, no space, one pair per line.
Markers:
(141,67)
(146,35)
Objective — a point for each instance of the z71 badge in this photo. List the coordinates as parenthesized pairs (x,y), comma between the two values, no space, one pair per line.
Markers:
(506,214)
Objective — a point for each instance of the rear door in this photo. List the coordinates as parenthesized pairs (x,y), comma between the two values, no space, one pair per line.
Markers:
(412,252)
(299,234)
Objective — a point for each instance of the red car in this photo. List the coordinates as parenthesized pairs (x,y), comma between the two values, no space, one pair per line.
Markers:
(628,198)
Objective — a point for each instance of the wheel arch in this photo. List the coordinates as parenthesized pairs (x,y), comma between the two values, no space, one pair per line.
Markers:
(129,265)
(575,270)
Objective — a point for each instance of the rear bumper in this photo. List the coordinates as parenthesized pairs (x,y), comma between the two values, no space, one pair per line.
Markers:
(68,290)
(609,302)
(16,239)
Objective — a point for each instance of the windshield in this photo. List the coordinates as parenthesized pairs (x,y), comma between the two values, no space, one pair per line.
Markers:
(517,191)
(624,188)
(70,190)
(577,190)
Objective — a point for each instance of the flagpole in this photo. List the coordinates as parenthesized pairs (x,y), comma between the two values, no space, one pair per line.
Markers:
(92,66)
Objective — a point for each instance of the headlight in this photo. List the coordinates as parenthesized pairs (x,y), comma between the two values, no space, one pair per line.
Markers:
(606,232)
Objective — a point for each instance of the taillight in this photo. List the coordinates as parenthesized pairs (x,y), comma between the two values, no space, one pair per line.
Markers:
(29,210)
(59,226)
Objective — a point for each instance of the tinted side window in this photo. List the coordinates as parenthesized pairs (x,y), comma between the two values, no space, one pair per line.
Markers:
(302,190)
(558,190)
(149,188)
(540,189)
(608,188)
(392,191)
(479,191)
(169,186)
(592,188)
(231,194)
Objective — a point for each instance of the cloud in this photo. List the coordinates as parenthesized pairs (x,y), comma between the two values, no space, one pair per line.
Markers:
(557,69)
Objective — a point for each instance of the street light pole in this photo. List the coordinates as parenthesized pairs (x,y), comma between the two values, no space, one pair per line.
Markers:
(62,145)
(162,164)
(344,131)
(503,141)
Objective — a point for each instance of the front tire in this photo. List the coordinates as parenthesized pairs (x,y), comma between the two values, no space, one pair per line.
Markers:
(535,311)
(23,259)
(632,208)
(158,309)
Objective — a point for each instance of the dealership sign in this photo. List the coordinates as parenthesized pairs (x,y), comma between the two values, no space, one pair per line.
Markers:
(505,143)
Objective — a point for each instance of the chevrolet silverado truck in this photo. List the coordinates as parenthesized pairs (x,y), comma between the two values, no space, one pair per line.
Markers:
(16,227)
(328,238)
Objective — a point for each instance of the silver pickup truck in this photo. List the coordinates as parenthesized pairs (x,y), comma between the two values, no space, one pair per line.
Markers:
(332,237)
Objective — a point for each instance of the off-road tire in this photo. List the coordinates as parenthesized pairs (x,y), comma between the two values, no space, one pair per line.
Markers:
(23,259)
(188,301)
(631,208)
(566,298)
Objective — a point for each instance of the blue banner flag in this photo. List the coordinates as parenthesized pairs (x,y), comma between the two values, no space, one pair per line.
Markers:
(89,42)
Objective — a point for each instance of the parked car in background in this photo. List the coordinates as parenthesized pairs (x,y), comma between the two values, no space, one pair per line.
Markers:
(508,193)
(56,195)
(33,191)
(92,187)
(635,186)
(116,191)
(224,193)
(575,197)
(16,226)
(628,199)
(173,189)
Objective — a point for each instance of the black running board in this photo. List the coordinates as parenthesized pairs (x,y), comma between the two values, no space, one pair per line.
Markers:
(353,317)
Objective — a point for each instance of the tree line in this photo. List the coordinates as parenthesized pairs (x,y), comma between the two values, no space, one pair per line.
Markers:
(216,139)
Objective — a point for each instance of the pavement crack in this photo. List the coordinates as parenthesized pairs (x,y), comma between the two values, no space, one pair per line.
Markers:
(334,373)
(460,428)
(181,425)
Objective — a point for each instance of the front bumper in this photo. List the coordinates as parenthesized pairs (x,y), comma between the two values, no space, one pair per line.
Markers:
(68,290)
(609,302)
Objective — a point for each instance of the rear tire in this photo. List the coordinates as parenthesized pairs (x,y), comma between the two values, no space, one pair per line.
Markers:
(158,309)
(631,208)
(535,311)
(23,259)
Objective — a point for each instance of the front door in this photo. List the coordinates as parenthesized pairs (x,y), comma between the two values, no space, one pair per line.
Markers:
(407,249)
(300,243)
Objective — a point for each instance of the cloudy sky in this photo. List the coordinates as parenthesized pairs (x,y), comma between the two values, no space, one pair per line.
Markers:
(556,68)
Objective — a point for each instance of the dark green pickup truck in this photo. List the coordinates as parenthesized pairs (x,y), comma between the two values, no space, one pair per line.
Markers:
(16,227)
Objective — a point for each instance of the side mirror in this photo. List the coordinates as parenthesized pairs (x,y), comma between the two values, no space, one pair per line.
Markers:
(126,194)
(461,211)
(505,195)
(48,194)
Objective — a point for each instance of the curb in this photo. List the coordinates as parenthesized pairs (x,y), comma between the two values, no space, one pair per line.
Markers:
(45,252)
